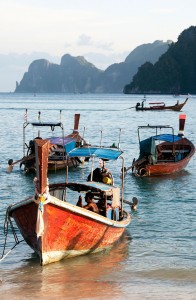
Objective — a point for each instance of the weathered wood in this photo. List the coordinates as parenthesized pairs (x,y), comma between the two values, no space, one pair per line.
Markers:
(41,158)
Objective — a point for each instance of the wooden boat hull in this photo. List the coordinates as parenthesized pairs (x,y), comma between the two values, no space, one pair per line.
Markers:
(53,165)
(162,168)
(68,230)
(176,107)
(166,167)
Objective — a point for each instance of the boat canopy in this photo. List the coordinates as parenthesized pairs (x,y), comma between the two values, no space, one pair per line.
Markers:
(40,124)
(104,153)
(167,137)
(63,141)
(52,125)
(148,146)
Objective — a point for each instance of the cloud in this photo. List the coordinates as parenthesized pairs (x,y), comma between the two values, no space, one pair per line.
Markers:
(86,40)
(105,46)
(163,10)
(67,45)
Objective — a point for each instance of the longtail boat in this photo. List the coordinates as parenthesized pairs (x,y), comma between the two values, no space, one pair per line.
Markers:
(59,146)
(163,154)
(52,223)
(159,106)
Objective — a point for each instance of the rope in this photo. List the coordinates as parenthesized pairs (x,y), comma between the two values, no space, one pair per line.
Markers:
(126,108)
(6,224)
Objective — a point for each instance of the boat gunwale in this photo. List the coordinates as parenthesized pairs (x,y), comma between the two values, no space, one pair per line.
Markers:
(75,209)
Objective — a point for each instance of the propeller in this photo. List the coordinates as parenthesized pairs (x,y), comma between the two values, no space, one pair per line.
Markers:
(133,204)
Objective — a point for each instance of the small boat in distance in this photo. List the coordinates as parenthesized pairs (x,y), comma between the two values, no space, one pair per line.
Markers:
(162,154)
(159,106)
(59,146)
(57,227)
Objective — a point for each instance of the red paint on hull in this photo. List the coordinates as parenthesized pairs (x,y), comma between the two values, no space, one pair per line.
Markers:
(166,167)
(70,230)
(66,233)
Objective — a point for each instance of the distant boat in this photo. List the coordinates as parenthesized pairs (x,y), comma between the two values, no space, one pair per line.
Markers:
(159,106)
(163,154)
(56,228)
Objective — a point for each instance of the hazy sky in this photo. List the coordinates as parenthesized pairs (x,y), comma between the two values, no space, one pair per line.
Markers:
(103,31)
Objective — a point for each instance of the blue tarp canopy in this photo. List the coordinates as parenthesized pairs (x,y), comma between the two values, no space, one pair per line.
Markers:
(104,153)
(167,137)
(148,146)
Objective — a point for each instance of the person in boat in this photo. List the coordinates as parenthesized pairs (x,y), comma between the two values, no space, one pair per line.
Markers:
(31,147)
(101,174)
(140,105)
(101,204)
(91,205)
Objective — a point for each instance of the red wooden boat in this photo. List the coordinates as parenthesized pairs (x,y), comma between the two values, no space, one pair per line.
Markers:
(159,106)
(59,146)
(51,223)
(170,155)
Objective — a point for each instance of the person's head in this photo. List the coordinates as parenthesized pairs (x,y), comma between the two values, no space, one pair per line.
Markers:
(89,197)
(101,164)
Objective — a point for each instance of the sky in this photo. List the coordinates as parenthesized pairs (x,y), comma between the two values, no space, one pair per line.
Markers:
(103,31)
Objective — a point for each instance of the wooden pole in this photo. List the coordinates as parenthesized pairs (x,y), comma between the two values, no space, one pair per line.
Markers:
(41,158)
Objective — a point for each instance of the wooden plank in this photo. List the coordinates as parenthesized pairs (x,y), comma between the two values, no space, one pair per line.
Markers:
(41,157)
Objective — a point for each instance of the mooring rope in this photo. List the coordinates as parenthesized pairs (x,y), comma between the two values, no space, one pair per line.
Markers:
(6,224)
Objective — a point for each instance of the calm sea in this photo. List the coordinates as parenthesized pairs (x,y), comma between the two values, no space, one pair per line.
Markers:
(156,258)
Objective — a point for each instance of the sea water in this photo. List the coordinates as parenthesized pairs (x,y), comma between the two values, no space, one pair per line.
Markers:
(156,258)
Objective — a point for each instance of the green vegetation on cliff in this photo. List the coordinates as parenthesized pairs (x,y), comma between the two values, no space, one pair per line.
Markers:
(174,72)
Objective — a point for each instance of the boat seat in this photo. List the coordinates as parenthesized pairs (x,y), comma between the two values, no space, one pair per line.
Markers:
(165,160)
(56,157)
(176,151)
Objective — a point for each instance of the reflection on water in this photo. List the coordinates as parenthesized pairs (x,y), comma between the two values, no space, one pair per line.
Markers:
(83,276)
